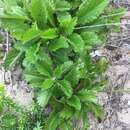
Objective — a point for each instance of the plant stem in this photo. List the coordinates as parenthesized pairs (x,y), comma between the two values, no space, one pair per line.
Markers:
(101,25)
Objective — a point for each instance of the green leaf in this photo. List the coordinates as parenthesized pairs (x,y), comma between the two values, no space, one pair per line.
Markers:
(53,122)
(50,33)
(34,78)
(113,15)
(67,112)
(39,12)
(48,83)
(14,13)
(30,55)
(61,56)
(58,44)
(14,20)
(50,5)
(43,98)
(67,23)
(30,34)
(44,68)
(64,126)
(90,38)
(96,109)
(90,10)
(87,96)
(77,42)
(62,5)
(102,65)
(37,128)
(62,69)
(74,101)
(65,86)
(12,58)
(73,76)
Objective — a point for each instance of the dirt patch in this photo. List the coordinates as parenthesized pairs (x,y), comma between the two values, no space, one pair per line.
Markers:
(116,98)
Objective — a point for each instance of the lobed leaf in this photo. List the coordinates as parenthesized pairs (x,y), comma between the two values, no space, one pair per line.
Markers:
(74,101)
(51,33)
(58,44)
(39,12)
(77,42)
(90,10)
(43,98)
(48,83)
(65,86)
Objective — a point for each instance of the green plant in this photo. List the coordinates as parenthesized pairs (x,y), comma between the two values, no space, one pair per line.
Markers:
(15,117)
(53,45)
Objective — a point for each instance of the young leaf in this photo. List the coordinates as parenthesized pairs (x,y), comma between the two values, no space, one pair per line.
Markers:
(67,112)
(53,122)
(64,126)
(14,13)
(90,38)
(67,23)
(44,68)
(87,96)
(73,76)
(39,12)
(43,98)
(77,42)
(34,78)
(74,101)
(58,44)
(38,127)
(62,5)
(51,33)
(12,58)
(30,34)
(90,10)
(65,86)
(48,83)
(61,69)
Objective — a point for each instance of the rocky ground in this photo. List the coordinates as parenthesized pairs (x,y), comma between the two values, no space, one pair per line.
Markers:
(115,99)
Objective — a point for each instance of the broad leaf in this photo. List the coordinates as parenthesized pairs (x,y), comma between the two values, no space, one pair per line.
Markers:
(89,10)
(14,13)
(67,112)
(58,44)
(51,33)
(91,38)
(53,122)
(30,55)
(30,34)
(48,83)
(44,68)
(73,76)
(39,12)
(62,5)
(74,101)
(43,98)
(67,23)
(64,126)
(62,69)
(77,42)
(87,96)
(65,86)
(34,78)
(50,6)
